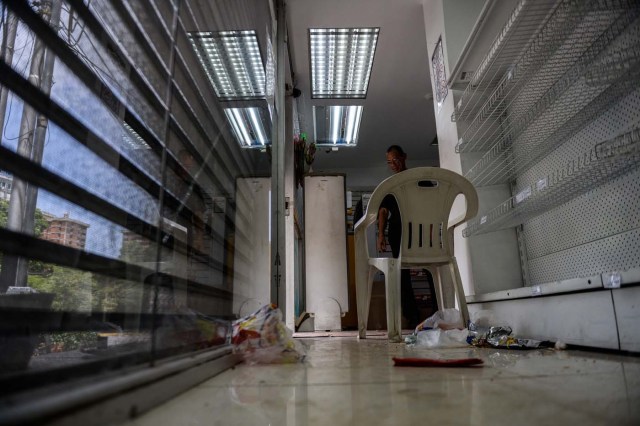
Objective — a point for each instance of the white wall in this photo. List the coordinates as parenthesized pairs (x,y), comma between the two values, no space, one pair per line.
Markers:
(482,270)
(447,134)
(459,18)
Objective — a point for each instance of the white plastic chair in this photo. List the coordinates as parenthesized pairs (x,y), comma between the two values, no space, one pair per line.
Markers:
(427,239)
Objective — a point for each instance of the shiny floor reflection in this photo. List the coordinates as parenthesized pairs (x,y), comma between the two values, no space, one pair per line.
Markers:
(345,381)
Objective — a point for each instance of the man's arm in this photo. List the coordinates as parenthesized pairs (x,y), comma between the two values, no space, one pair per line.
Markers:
(383,214)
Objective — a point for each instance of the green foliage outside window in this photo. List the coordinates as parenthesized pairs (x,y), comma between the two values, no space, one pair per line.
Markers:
(40,224)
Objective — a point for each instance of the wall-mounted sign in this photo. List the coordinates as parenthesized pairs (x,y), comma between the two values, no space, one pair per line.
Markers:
(439,74)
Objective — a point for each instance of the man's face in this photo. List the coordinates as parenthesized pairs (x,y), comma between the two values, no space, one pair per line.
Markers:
(187,161)
(395,161)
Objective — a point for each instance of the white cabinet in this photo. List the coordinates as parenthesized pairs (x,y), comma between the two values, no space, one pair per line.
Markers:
(326,250)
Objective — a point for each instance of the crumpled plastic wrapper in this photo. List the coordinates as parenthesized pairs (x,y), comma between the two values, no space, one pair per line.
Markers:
(263,338)
(187,327)
(498,337)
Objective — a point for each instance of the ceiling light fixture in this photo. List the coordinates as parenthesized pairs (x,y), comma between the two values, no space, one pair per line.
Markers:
(336,125)
(232,61)
(341,61)
(249,126)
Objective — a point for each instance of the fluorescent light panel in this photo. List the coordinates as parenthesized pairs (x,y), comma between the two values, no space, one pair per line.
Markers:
(337,125)
(232,62)
(341,61)
(249,126)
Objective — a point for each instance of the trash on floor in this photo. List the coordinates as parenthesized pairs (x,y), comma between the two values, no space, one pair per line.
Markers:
(213,331)
(445,319)
(437,338)
(427,362)
(263,338)
(487,330)
(444,329)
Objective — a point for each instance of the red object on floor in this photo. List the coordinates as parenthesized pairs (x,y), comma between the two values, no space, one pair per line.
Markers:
(427,362)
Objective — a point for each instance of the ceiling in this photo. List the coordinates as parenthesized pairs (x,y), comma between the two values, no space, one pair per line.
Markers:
(398,108)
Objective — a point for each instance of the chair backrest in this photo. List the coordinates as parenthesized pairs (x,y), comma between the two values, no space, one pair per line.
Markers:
(425,196)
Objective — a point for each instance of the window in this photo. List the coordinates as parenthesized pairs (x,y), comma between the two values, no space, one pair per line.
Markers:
(118,238)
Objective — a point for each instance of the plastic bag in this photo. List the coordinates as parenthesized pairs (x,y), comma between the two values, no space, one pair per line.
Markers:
(263,338)
(437,338)
(446,319)
(444,329)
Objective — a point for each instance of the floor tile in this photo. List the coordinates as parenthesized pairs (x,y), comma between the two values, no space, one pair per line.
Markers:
(346,381)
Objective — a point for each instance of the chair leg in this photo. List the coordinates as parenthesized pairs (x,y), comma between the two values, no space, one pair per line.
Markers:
(447,287)
(457,282)
(394,312)
(437,284)
(363,300)
(364,278)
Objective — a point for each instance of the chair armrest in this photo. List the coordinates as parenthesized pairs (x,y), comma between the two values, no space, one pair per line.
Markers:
(471,198)
(360,228)
(364,222)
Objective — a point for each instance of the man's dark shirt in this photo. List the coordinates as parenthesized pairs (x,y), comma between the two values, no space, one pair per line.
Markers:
(394,233)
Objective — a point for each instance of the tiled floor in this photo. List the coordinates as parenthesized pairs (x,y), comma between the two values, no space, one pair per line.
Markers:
(346,381)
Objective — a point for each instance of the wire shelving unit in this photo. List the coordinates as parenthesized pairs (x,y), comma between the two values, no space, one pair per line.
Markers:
(603,163)
(525,20)
(575,36)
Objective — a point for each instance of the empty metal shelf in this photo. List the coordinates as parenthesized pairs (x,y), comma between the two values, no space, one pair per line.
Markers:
(605,162)
(573,37)
(515,36)
(564,116)
(608,70)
